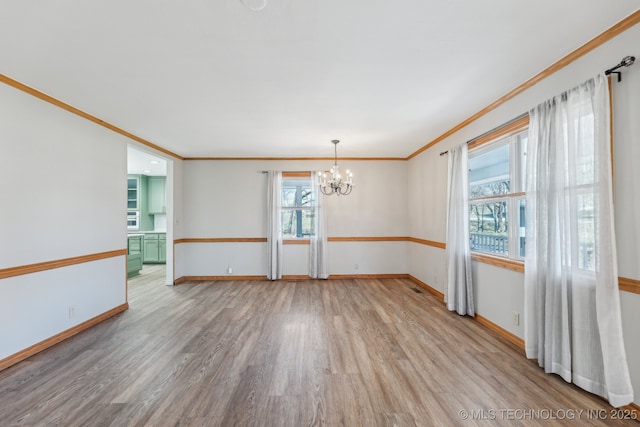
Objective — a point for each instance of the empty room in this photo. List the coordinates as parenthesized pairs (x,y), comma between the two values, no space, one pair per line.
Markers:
(341,213)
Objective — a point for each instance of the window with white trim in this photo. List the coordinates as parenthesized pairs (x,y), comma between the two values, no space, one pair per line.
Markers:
(496,196)
(298,202)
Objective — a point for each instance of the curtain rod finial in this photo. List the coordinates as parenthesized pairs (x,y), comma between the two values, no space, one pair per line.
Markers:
(627,61)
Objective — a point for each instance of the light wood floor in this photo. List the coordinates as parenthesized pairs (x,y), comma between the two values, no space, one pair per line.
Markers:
(338,352)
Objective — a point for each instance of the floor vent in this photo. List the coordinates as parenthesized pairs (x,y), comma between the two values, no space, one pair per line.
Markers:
(417,290)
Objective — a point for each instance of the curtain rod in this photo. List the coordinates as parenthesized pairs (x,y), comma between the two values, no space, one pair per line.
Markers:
(627,61)
(515,119)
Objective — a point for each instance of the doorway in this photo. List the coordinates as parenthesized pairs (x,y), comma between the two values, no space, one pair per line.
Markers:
(149,215)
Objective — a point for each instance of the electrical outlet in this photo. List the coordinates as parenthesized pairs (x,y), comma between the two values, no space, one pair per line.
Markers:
(516,318)
(72,311)
(357,266)
(229,270)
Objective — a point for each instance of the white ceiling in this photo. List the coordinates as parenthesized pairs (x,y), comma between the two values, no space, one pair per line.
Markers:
(214,78)
(143,163)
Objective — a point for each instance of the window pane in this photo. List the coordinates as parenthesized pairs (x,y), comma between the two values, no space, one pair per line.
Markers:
(521,156)
(585,165)
(297,223)
(586,231)
(489,172)
(488,227)
(521,228)
(296,192)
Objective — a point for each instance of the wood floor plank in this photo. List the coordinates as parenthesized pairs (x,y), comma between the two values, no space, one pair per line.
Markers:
(288,353)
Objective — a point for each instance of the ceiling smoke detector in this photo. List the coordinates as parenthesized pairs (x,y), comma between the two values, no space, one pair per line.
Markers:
(254,5)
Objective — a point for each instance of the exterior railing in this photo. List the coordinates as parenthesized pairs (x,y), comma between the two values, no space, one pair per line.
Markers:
(491,243)
(586,258)
(497,244)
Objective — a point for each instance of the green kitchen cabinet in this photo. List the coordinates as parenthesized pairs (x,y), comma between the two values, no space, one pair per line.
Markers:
(134,255)
(133,192)
(157,191)
(155,248)
(134,244)
(146,220)
(151,248)
(138,217)
(133,202)
(162,248)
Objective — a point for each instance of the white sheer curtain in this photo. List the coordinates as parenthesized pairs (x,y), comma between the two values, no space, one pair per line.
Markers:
(572,307)
(274,237)
(318,258)
(459,291)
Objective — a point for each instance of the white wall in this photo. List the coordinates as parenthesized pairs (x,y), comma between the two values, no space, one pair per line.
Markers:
(427,263)
(63,187)
(228,199)
(500,292)
(36,306)
(175,192)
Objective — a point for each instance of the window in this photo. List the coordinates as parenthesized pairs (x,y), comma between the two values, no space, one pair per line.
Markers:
(581,187)
(298,203)
(496,196)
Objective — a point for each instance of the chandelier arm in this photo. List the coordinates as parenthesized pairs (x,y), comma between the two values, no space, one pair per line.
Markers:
(346,190)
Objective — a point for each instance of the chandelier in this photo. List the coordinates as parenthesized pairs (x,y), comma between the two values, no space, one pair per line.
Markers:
(331,181)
